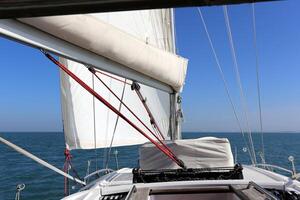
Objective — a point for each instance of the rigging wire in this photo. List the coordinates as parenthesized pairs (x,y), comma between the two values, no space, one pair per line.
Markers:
(224,81)
(164,146)
(161,146)
(236,67)
(92,70)
(106,125)
(94,121)
(115,127)
(258,80)
(152,120)
(142,99)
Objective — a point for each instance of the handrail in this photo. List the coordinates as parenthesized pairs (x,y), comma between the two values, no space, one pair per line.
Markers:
(97,172)
(272,166)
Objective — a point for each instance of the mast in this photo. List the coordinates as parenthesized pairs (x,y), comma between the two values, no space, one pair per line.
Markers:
(176,116)
(175,98)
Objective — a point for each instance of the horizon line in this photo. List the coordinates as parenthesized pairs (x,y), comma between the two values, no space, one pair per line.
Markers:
(182,132)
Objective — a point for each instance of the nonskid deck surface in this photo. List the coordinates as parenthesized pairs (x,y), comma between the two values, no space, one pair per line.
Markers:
(119,185)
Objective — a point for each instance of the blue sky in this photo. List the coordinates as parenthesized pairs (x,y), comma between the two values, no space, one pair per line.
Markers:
(30,99)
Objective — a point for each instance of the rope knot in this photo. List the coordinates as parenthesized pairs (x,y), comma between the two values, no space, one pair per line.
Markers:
(68,155)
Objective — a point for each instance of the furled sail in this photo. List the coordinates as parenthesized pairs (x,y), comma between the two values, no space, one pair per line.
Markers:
(91,33)
(87,122)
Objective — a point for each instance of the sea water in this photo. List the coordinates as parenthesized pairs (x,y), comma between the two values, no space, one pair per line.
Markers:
(42,183)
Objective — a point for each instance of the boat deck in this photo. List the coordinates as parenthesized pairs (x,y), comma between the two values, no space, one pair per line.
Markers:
(120,182)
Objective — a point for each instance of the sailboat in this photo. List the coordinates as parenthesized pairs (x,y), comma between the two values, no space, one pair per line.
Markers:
(120,85)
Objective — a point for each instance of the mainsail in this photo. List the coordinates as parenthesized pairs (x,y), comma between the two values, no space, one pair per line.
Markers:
(88,123)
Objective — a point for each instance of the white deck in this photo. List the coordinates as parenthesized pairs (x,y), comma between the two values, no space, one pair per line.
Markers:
(121,181)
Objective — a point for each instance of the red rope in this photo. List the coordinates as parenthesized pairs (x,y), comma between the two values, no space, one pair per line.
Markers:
(92,70)
(67,166)
(68,157)
(117,79)
(116,111)
(153,122)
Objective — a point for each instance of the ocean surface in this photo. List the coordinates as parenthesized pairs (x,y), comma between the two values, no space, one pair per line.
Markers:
(41,183)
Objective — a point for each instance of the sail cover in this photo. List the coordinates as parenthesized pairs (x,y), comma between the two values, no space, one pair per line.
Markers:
(206,152)
(87,122)
(91,33)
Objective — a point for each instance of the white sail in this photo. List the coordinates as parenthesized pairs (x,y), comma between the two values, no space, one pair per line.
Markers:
(87,122)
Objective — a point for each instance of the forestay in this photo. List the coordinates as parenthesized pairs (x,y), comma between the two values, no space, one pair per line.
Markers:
(88,123)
